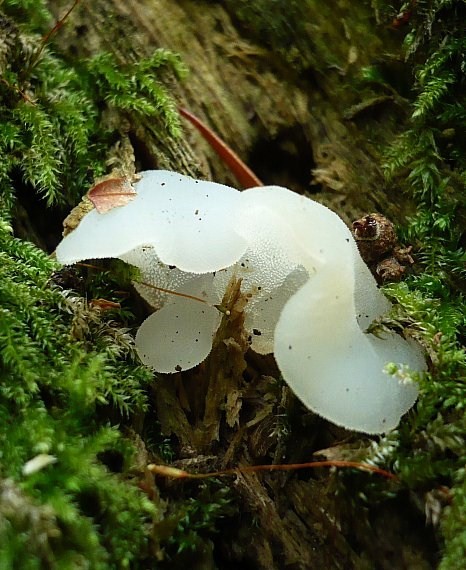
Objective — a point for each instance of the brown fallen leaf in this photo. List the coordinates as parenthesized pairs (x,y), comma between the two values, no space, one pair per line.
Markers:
(104,305)
(111,193)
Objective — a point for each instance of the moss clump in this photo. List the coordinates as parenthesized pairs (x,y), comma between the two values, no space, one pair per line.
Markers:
(428,161)
(69,378)
(53,134)
(73,510)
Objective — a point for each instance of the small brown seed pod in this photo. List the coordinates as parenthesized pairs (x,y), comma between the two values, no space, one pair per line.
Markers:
(375,236)
(389,269)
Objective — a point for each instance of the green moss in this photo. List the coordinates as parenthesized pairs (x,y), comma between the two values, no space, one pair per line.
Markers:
(53,135)
(428,161)
(69,376)
(52,384)
(197,518)
(307,36)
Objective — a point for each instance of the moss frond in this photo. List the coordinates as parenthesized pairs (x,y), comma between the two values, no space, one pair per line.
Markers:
(51,112)
(428,160)
(50,386)
(137,88)
(34,11)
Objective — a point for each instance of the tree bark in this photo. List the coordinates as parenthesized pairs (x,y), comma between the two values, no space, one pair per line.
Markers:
(309,129)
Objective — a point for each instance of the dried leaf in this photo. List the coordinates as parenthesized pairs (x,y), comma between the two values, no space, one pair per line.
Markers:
(104,305)
(111,193)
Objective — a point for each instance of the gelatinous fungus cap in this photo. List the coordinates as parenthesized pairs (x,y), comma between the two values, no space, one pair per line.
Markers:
(311,297)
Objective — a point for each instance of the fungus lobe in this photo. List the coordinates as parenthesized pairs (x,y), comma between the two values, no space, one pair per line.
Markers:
(310,295)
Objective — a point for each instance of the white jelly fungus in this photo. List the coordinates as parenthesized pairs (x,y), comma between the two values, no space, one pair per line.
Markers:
(311,296)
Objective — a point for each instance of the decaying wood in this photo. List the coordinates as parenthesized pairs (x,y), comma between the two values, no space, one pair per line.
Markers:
(258,108)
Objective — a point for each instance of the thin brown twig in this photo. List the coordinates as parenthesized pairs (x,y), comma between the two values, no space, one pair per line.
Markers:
(176,293)
(167,471)
(18,90)
(220,308)
(243,173)
(58,25)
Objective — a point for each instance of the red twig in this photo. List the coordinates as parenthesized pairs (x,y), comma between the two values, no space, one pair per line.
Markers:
(175,473)
(243,173)
(18,90)
(58,25)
